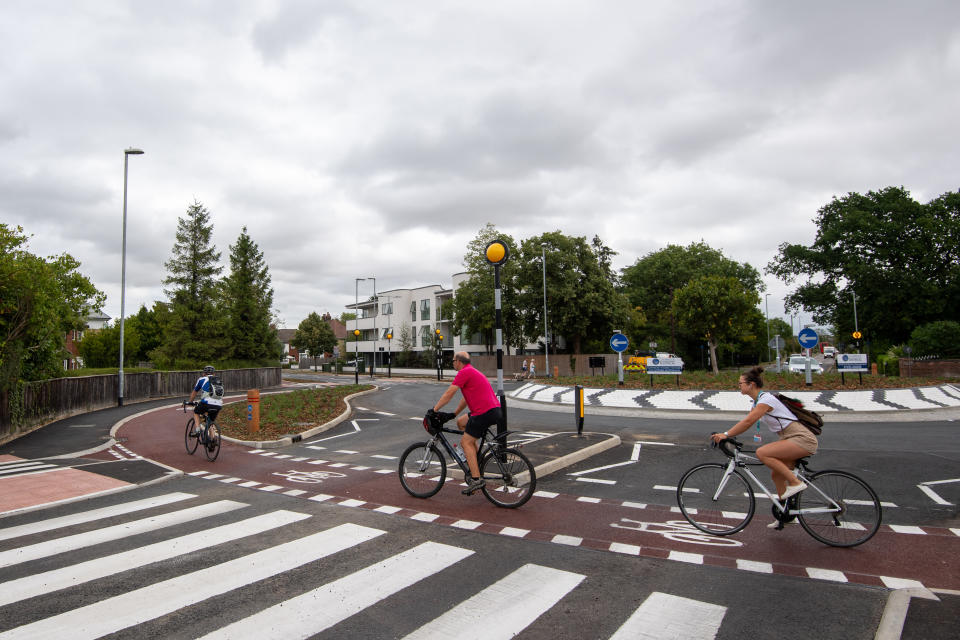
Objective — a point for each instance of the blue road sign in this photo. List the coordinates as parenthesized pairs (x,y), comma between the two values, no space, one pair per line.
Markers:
(808,338)
(619,342)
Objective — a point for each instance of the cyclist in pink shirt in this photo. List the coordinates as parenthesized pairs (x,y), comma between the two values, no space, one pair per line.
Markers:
(484,411)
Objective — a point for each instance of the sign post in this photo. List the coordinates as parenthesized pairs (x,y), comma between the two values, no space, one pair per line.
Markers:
(808,339)
(852,363)
(497,253)
(619,343)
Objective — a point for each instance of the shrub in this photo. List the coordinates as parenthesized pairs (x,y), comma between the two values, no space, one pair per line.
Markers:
(936,339)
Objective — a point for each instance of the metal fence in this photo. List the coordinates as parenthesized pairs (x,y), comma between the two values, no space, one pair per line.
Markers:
(36,403)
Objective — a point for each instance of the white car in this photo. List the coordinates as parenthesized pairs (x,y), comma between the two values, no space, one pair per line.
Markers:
(798,364)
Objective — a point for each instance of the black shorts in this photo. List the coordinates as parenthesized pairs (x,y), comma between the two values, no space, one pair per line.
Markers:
(204,408)
(477,424)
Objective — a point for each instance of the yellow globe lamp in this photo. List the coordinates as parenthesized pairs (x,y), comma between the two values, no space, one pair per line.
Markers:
(497,252)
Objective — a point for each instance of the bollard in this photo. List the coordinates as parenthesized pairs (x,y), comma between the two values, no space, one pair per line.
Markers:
(253,410)
(556,371)
(578,408)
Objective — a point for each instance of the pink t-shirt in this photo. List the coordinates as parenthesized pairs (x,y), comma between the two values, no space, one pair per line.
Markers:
(476,390)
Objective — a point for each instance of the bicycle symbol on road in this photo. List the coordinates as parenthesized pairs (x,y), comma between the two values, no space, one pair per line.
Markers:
(310,477)
(678,530)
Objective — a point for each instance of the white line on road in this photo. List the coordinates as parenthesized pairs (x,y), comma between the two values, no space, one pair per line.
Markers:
(138,606)
(596,481)
(666,616)
(95,514)
(609,466)
(514,601)
(47,582)
(116,532)
(318,610)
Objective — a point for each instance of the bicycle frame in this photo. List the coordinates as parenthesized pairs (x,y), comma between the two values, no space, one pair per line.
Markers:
(483,446)
(744,462)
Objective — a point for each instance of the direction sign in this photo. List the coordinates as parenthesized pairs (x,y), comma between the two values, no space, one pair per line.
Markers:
(808,338)
(777,343)
(619,342)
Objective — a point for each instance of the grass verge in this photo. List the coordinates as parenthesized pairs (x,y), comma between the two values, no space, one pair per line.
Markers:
(286,414)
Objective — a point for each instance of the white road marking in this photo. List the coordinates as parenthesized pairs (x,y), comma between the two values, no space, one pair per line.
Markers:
(49,581)
(666,616)
(90,516)
(515,602)
(826,574)
(319,609)
(138,606)
(753,565)
(116,532)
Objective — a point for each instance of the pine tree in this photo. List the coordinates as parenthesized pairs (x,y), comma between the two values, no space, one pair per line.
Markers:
(248,299)
(195,331)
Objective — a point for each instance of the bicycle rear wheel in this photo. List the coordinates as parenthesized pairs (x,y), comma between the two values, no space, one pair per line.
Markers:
(189,440)
(715,502)
(212,448)
(852,513)
(510,478)
(422,471)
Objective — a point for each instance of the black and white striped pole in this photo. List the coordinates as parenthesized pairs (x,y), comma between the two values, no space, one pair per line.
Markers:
(497,253)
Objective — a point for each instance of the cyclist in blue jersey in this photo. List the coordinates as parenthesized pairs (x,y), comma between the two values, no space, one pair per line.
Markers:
(210,389)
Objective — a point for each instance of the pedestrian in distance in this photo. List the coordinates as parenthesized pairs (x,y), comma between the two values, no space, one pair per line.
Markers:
(483,411)
(533,368)
(523,368)
(795,441)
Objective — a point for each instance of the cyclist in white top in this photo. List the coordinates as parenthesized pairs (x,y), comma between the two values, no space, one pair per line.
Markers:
(796,441)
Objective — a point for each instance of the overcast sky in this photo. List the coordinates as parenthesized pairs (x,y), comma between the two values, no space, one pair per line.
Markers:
(372,138)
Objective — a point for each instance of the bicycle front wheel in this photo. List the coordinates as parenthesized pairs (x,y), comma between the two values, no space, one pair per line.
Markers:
(510,478)
(847,511)
(190,440)
(422,471)
(212,448)
(714,501)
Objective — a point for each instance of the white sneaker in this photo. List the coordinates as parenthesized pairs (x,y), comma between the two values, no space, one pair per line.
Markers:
(793,490)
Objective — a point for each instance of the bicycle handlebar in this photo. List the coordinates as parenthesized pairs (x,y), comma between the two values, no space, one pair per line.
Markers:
(725,445)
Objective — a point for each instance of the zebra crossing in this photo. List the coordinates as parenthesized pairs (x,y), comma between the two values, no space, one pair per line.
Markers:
(136,568)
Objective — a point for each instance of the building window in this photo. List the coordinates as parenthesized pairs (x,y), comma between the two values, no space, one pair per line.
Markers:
(413,311)
(383,335)
(425,309)
(387,308)
(426,336)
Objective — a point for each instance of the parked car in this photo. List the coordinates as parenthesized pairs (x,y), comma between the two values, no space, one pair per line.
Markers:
(798,364)
(829,352)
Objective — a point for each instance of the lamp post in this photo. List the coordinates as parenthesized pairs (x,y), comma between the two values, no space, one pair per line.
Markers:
(376,311)
(497,253)
(766,300)
(356,330)
(389,355)
(123,268)
(546,334)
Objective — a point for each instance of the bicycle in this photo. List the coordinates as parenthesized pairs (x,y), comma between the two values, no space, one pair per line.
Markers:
(716,498)
(192,438)
(509,475)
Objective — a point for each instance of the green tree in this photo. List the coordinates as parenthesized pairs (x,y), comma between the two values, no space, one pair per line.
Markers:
(899,257)
(405,343)
(583,303)
(716,308)
(148,324)
(473,302)
(314,336)
(651,282)
(101,347)
(195,330)
(248,299)
(40,301)
(940,338)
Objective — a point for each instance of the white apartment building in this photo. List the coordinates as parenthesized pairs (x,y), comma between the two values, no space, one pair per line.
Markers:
(421,311)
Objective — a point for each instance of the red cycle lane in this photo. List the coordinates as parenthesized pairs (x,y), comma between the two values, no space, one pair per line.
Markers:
(891,559)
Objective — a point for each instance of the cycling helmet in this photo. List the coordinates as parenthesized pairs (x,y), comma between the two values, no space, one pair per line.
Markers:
(209,370)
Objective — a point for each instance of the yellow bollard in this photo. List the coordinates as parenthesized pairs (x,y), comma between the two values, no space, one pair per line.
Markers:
(253,410)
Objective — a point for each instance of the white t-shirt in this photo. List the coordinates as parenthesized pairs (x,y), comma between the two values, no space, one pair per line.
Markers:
(779,417)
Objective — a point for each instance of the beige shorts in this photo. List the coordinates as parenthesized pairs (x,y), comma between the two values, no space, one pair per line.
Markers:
(801,436)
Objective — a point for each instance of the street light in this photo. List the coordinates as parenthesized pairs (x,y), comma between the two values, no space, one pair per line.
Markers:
(376,310)
(439,353)
(356,330)
(123,266)
(389,356)
(766,300)
(546,334)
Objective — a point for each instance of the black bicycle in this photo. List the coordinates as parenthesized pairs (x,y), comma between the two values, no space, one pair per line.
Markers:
(510,477)
(208,435)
